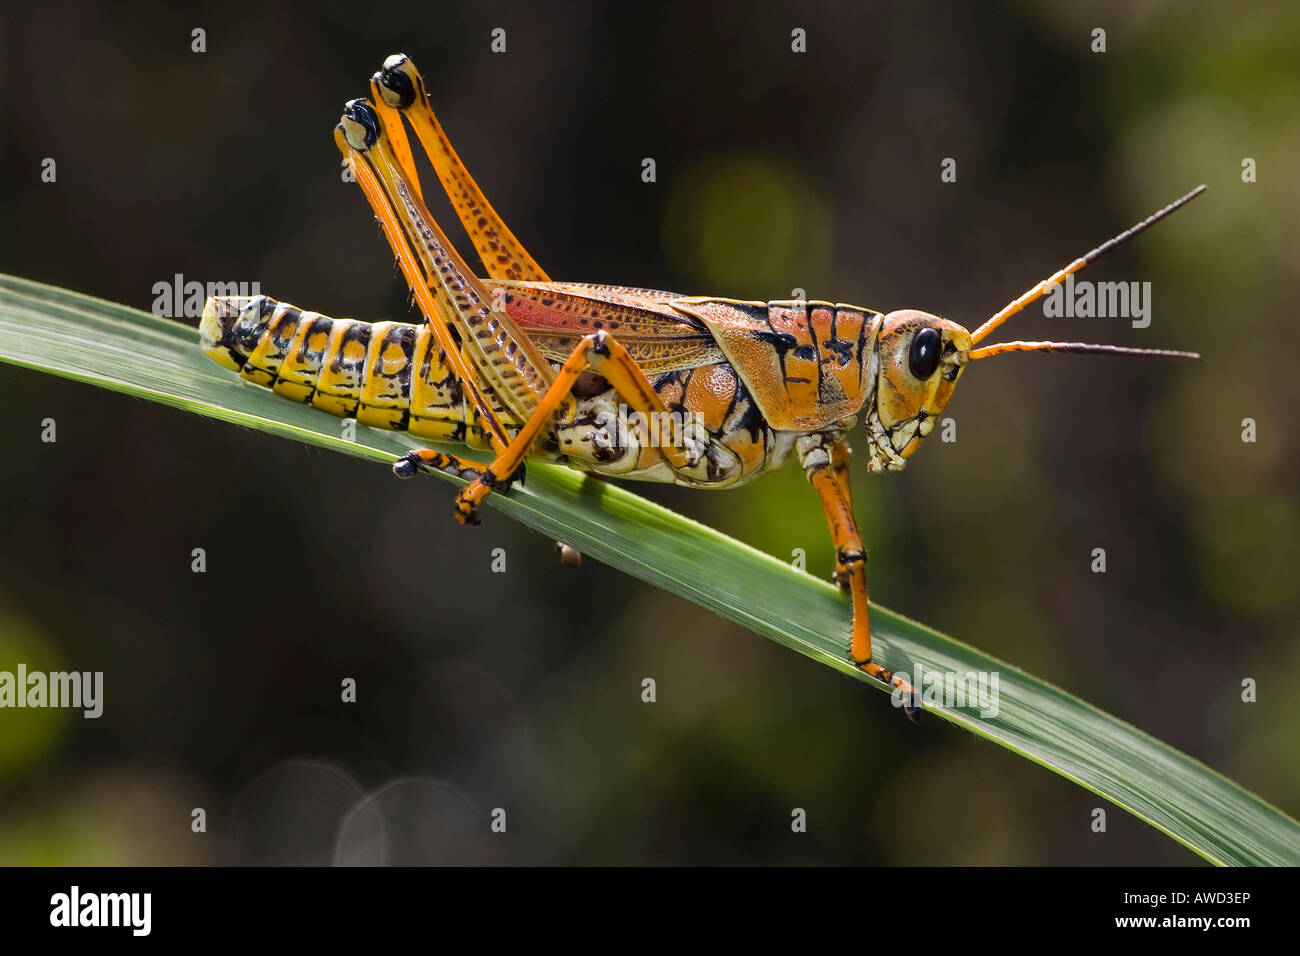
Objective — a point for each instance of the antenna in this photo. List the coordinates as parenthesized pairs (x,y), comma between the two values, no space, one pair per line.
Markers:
(1039,290)
(989,350)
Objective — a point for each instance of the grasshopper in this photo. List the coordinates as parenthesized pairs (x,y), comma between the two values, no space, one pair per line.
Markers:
(526,367)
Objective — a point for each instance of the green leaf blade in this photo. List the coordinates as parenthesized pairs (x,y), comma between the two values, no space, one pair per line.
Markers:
(111,346)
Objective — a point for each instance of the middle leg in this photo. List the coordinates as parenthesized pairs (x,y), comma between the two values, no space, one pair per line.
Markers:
(601,353)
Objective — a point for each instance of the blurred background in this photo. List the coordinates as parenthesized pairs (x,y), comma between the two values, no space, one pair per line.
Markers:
(775,171)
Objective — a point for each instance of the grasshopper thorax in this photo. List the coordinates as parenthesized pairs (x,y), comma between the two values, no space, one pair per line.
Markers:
(920,357)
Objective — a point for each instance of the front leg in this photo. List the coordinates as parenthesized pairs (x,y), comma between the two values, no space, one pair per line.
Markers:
(817,455)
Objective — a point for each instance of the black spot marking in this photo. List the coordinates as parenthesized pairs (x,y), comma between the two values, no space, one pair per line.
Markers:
(361,113)
(399,84)
(751,420)
(843,350)
(781,341)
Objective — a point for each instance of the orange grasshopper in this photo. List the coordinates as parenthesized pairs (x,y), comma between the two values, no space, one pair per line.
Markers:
(527,367)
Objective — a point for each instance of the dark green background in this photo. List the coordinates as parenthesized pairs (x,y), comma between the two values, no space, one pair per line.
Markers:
(776,171)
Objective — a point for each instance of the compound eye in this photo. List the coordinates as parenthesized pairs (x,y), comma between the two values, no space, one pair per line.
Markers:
(923,357)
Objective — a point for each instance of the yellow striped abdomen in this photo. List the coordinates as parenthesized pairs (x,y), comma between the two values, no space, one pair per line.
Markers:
(384,374)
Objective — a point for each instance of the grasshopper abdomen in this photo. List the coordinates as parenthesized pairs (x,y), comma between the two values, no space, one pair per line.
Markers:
(389,375)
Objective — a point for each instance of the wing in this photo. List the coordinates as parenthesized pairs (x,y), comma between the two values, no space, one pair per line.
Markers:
(555,315)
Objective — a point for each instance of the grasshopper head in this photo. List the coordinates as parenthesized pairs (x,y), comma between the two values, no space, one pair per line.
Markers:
(921,356)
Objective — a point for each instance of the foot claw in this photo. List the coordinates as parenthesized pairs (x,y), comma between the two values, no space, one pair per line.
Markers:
(465,514)
(911,700)
(912,706)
